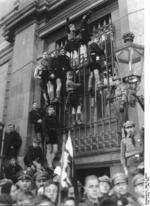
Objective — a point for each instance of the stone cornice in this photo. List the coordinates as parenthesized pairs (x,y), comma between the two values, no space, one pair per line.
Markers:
(35,10)
(76,10)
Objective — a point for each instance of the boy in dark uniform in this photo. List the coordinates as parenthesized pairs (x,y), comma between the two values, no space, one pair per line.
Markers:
(50,126)
(73,98)
(42,73)
(96,67)
(73,43)
(36,116)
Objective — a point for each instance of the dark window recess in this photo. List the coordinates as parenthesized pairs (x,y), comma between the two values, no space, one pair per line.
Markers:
(99,171)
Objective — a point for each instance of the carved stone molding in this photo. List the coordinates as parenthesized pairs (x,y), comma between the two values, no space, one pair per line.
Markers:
(36,10)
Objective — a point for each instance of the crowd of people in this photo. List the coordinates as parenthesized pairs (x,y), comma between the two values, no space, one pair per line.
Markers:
(38,184)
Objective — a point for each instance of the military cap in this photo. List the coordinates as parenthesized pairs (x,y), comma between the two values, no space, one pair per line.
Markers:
(138,179)
(119,178)
(42,175)
(129,123)
(24,175)
(104,178)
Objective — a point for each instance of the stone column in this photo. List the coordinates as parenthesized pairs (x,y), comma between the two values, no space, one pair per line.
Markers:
(22,84)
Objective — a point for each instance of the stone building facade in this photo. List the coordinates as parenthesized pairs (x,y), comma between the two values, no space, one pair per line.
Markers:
(36,25)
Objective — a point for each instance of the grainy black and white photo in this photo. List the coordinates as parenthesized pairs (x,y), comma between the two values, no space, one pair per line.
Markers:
(72,103)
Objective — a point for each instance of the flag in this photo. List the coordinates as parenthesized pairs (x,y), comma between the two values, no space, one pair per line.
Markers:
(65,171)
(67,162)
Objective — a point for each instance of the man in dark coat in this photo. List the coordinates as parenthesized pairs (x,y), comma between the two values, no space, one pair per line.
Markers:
(12,142)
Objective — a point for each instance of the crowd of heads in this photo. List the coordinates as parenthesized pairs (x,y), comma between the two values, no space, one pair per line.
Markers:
(41,190)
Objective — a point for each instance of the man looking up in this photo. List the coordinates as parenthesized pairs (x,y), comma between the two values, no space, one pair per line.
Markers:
(91,191)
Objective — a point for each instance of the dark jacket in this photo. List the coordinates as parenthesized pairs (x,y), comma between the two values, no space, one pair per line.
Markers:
(50,126)
(34,116)
(12,144)
(11,171)
(33,154)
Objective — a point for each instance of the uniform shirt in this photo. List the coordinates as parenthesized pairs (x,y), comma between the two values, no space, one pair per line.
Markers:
(128,149)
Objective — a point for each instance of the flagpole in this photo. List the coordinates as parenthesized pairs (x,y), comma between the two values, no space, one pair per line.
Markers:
(2,148)
(72,158)
(62,162)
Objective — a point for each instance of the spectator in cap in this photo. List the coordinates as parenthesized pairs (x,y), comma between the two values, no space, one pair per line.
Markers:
(12,169)
(34,156)
(130,154)
(12,142)
(91,191)
(51,191)
(41,179)
(138,184)
(120,190)
(120,184)
(104,186)
(24,180)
